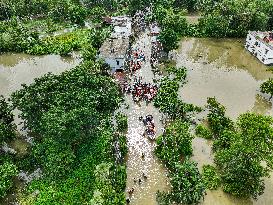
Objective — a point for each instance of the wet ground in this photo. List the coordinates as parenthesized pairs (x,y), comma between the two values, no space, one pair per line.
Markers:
(145,192)
(224,69)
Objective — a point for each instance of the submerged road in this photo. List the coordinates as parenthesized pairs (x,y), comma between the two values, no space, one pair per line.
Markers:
(145,191)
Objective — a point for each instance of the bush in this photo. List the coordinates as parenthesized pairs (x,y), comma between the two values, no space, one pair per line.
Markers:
(7,171)
(211,178)
(122,124)
(175,144)
(202,131)
(187,183)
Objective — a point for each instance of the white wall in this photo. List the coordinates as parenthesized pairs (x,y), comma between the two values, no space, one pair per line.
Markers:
(259,49)
(113,63)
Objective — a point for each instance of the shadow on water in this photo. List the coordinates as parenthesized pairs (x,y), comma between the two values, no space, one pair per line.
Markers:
(224,69)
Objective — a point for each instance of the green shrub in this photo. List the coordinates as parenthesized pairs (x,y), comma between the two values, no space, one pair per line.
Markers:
(122,124)
(202,131)
(211,178)
(7,171)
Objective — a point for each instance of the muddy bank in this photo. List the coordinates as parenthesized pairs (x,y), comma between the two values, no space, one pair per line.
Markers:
(224,69)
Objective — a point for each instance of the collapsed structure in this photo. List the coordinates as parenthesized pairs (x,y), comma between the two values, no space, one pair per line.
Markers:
(115,49)
(260,44)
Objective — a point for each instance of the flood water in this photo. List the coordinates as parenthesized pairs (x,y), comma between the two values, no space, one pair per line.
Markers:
(145,192)
(16,69)
(224,69)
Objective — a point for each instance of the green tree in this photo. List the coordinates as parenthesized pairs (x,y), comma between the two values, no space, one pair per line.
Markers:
(175,143)
(267,87)
(7,127)
(169,39)
(210,176)
(7,172)
(187,183)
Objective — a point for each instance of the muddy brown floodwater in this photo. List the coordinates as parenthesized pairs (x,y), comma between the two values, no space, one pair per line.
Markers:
(145,192)
(16,69)
(224,69)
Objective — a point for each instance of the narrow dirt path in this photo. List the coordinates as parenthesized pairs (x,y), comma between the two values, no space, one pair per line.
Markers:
(144,192)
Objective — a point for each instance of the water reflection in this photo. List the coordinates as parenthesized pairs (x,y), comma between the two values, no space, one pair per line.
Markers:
(145,193)
(16,69)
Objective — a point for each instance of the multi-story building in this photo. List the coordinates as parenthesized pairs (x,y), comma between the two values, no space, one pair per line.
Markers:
(260,44)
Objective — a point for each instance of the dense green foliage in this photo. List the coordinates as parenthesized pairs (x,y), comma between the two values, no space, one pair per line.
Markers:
(211,178)
(167,99)
(175,144)
(234,18)
(122,124)
(267,87)
(7,127)
(242,150)
(173,25)
(7,132)
(7,171)
(173,147)
(71,116)
(187,183)
(203,131)
(19,37)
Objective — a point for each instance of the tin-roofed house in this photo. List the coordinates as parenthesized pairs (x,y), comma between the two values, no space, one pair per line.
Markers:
(114,52)
(260,44)
(115,49)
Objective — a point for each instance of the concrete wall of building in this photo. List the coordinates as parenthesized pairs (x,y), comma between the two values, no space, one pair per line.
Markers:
(115,63)
(259,49)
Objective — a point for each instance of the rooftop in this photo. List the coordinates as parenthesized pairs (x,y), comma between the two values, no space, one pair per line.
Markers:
(264,36)
(122,26)
(114,48)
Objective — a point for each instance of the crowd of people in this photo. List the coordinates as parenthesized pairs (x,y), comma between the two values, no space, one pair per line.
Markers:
(150,127)
(136,58)
(140,90)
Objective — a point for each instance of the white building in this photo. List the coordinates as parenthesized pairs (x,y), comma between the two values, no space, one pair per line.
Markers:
(122,26)
(260,44)
(114,52)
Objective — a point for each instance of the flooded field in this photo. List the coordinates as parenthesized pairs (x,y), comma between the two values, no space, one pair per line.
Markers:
(16,69)
(224,69)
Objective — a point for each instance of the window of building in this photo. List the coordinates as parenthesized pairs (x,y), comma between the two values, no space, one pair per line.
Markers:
(117,62)
(266,51)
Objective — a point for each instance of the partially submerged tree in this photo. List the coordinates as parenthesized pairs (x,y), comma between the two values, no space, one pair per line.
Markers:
(267,87)
(243,151)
